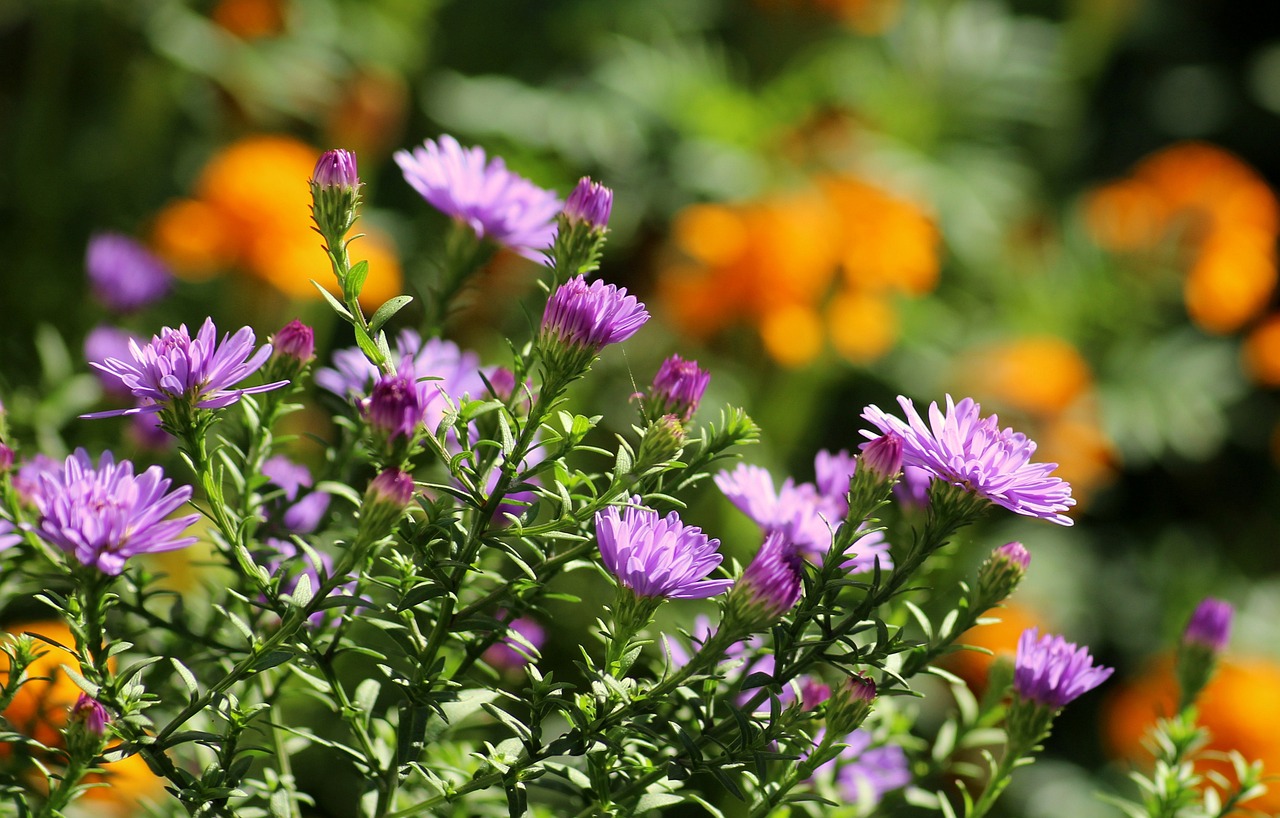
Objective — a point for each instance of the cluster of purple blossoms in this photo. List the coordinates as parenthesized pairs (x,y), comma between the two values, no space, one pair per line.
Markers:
(299,509)
(582,319)
(806,514)
(964,449)
(105,514)
(658,557)
(481,193)
(865,774)
(124,275)
(176,368)
(1052,672)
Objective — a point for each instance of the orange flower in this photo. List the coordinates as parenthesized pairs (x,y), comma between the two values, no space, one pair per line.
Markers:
(253,210)
(863,326)
(1240,708)
(1001,638)
(886,242)
(1262,352)
(250,19)
(1232,280)
(711,234)
(792,335)
(1041,374)
(1126,215)
(1085,455)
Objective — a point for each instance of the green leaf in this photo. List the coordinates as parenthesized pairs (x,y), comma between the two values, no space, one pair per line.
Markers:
(356,277)
(334,303)
(188,678)
(388,309)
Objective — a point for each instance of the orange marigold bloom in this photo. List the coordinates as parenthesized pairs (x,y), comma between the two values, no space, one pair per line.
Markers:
(1232,280)
(195,238)
(1041,374)
(1126,215)
(1240,708)
(1262,352)
(1086,456)
(792,335)
(250,19)
(886,242)
(713,234)
(863,326)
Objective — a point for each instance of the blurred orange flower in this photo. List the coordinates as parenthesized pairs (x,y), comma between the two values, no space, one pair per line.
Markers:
(40,710)
(1222,209)
(1040,374)
(252,210)
(774,263)
(1262,352)
(250,19)
(1240,708)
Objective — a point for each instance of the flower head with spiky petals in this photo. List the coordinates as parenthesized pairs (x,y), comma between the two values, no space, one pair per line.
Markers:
(965,449)
(1052,672)
(658,557)
(175,368)
(105,514)
(494,202)
(588,317)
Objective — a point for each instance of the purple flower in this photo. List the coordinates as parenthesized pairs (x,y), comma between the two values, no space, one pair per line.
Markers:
(90,712)
(298,512)
(491,200)
(395,408)
(9,535)
(513,652)
(865,774)
(27,482)
(678,388)
(805,513)
(6,457)
(1052,672)
(104,342)
(770,587)
(336,168)
(882,457)
(1210,625)
(658,556)
(124,275)
(588,317)
(973,452)
(590,203)
(103,515)
(295,340)
(174,367)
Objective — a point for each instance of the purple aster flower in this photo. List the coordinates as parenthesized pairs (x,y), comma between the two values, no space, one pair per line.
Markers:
(491,200)
(336,168)
(395,408)
(586,318)
(513,652)
(90,712)
(1052,672)
(865,774)
(806,514)
(1210,625)
(27,482)
(813,692)
(300,510)
(124,275)
(658,556)
(769,587)
(967,450)
(105,514)
(105,342)
(677,388)
(295,340)
(9,535)
(174,368)
(590,203)
(6,457)
(882,457)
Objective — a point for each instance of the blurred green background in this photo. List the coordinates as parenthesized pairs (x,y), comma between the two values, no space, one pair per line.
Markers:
(1063,209)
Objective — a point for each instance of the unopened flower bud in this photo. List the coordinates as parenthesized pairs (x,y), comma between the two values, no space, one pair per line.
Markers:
(6,457)
(89,712)
(336,169)
(295,340)
(581,319)
(335,198)
(882,457)
(394,408)
(850,704)
(590,203)
(813,693)
(662,441)
(388,495)
(769,588)
(1001,573)
(1204,639)
(677,389)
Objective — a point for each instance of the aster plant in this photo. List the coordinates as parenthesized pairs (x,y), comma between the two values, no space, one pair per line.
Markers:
(392,596)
